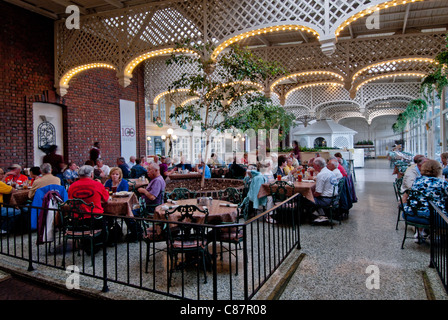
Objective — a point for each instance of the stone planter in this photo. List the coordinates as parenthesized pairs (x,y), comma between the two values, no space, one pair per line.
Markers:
(211,188)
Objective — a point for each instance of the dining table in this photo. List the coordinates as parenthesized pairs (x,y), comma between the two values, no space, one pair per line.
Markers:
(219,211)
(139,183)
(121,205)
(305,188)
(17,197)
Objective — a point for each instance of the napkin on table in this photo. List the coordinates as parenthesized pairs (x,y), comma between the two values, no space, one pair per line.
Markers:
(228,205)
(168,207)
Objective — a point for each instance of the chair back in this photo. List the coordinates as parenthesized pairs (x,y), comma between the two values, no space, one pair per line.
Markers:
(181,193)
(74,211)
(39,197)
(337,192)
(231,194)
(418,200)
(190,215)
(279,191)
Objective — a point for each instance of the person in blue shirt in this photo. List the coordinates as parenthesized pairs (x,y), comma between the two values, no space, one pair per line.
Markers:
(116,183)
(208,173)
(121,163)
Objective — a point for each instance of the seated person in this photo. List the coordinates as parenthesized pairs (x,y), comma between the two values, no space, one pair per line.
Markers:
(325,180)
(237,170)
(333,165)
(103,168)
(199,168)
(71,173)
(89,190)
(282,162)
(46,179)
(137,170)
(15,176)
(288,169)
(183,165)
(121,163)
(34,174)
(8,214)
(116,183)
(431,188)
(154,192)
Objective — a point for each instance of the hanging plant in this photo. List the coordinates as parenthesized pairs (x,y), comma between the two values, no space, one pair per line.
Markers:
(438,79)
(415,110)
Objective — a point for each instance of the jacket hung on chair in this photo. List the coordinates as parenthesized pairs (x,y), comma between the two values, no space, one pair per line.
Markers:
(39,198)
(47,216)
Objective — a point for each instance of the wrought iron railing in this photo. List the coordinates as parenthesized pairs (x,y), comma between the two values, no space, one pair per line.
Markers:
(439,243)
(235,271)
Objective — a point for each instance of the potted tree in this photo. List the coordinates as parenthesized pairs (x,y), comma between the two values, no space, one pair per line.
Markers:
(218,84)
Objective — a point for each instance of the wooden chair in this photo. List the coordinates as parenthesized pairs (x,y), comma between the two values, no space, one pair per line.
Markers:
(186,238)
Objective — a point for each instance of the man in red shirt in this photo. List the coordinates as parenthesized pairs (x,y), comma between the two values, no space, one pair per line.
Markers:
(88,190)
(15,176)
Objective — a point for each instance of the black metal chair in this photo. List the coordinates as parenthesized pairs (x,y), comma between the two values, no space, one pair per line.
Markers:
(333,207)
(233,234)
(181,193)
(231,194)
(399,197)
(416,219)
(82,226)
(187,238)
(279,190)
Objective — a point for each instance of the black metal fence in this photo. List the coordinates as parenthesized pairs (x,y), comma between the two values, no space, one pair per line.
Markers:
(439,241)
(236,265)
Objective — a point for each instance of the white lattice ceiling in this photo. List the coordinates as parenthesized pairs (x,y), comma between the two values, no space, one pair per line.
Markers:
(115,32)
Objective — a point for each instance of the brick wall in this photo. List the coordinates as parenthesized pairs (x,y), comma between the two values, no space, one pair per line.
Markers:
(93,114)
(26,69)
(91,106)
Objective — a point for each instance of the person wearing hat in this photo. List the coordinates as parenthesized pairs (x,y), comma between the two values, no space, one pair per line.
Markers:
(15,176)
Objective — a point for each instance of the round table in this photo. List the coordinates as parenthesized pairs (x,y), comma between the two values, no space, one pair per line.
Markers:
(217,212)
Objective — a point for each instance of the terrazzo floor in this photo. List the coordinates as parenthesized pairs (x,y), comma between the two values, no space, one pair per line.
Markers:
(337,264)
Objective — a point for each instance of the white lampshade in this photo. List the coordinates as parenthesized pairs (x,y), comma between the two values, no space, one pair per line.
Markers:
(174,137)
(170,131)
(163,137)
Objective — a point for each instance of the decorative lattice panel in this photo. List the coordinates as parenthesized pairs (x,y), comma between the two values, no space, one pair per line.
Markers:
(341,142)
(118,37)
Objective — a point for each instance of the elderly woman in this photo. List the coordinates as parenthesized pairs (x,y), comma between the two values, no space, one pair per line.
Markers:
(116,183)
(430,188)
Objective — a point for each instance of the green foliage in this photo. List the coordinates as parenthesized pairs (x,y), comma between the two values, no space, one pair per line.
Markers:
(438,79)
(415,110)
(365,142)
(261,114)
(219,85)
